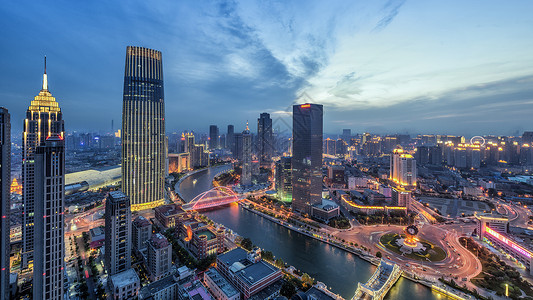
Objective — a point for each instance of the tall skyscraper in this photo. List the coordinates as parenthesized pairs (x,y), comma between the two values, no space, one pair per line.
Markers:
(403,168)
(306,156)
(117,233)
(49,240)
(213,137)
(43,119)
(284,179)
(346,135)
(246,177)
(143,129)
(230,141)
(5,196)
(265,143)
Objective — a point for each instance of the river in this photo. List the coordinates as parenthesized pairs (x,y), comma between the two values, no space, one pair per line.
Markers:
(338,269)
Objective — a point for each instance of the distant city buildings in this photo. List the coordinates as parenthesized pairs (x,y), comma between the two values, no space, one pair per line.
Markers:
(213,137)
(49,240)
(265,143)
(143,128)
(307,156)
(43,119)
(230,138)
(117,233)
(5,203)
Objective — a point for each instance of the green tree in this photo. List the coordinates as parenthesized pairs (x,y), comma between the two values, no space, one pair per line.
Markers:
(287,289)
(307,279)
(247,244)
(267,255)
(280,263)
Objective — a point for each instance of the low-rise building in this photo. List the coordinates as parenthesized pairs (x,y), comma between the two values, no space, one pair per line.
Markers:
(125,285)
(167,287)
(246,271)
(97,237)
(168,215)
(326,210)
(200,238)
(220,286)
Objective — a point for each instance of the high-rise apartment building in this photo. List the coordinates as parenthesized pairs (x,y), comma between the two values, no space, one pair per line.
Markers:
(43,119)
(213,137)
(143,128)
(246,177)
(159,257)
(117,233)
(49,240)
(307,126)
(403,168)
(141,232)
(265,143)
(5,204)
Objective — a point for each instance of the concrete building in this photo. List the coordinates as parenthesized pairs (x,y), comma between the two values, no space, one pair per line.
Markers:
(124,285)
(401,197)
(140,233)
(159,257)
(284,179)
(326,210)
(246,271)
(117,233)
(143,129)
(167,287)
(220,286)
(307,137)
(5,203)
(167,215)
(49,240)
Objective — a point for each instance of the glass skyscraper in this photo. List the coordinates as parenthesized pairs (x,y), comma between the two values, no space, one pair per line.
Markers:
(5,203)
(265,144)
(43,119)
(143,128)
(306,156)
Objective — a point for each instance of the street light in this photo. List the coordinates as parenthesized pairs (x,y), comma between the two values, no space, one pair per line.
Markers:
(506,290)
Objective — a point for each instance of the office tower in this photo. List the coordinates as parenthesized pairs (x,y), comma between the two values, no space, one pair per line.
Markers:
(346,135)
(49,240)
(265,142)
(141,233)
(43,119)
(117,233)
(329,146)
(283,179)
(401,197)
(306,156)
(159,257)
(340,147)
(246,177)
(230,142)
(403,168)
(5,203)
(143,129)
(213,137)
(237,146)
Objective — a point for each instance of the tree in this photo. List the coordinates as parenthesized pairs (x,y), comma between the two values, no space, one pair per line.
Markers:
(287,289)
(379,255)
(307,279)
(247,244)
(267,255)
(280,263)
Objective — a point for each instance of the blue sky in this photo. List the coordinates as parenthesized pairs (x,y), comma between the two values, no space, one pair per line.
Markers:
(458,67)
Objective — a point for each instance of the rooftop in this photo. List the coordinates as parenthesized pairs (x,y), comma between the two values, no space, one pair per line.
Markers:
(228,289)
(256,272)
(141,221)
(314,293)
(233,256)
(169,210)
(95,178)
(156,286)
(158,241)
(124,278)
(210,235)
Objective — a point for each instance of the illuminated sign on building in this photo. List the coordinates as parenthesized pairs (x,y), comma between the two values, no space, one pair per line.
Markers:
(508,242)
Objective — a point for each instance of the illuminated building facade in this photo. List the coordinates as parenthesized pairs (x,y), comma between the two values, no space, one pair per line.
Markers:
(117,233)
(143,128)
(5,203)
(43,119)
(403,168)
(246,177)
(283,179)
(265,142)
(307,126)
(49,240)
(401,197)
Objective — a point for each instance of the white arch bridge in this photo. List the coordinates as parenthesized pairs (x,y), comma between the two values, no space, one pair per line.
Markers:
(217,196)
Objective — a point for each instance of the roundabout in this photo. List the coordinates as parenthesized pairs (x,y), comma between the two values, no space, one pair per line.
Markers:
(409,246)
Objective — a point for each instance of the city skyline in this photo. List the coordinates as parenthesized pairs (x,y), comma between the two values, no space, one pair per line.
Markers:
(391,67)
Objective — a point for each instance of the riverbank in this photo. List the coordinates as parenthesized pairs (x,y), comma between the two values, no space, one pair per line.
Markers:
(177,185)
(360,253)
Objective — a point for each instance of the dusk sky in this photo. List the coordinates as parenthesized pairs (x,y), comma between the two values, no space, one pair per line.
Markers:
(456,67)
